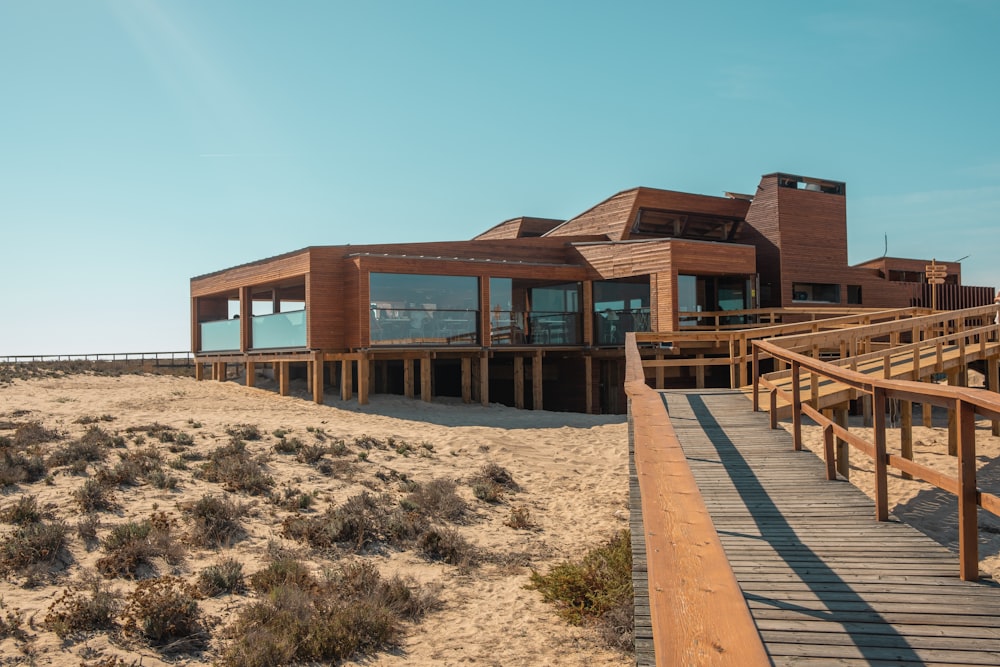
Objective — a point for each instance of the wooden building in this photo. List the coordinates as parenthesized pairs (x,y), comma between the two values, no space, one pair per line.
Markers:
(532,312)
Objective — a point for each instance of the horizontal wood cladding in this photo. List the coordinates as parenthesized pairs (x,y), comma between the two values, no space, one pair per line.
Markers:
(326,315)
(699,258)
(511,269)
(685,202)
(887,264)
(609,218)
(520,228)
(761,231)
(621,260)
(813,228)
(663,301)
(265,272)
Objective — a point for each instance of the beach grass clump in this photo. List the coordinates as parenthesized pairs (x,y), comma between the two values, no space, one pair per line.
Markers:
(353,612)
(32,545)
(134,544)
(447,545)
(596,589)
(520,519)
(18,466)
(233,466)
(215,521)
(244,432)
(94,495)
(33,433)
(93,419)
(91,447)
(22,511)
(287,445)
(92,605)
(226,576)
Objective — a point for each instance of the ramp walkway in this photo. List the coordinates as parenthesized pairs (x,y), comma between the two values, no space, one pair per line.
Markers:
(825,583)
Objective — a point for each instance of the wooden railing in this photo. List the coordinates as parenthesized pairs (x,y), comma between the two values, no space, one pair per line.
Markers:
(183,358)
(965,406)
(699,615)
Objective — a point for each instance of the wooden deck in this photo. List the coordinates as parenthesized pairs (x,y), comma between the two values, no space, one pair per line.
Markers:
(826,584)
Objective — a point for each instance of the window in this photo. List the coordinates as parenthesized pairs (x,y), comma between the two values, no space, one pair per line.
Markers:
(816,292)
(854,295)
(415,308)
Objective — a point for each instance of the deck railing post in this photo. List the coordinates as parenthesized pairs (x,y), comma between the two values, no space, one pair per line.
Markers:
(796,408)
(755,377)
(881,472)
(968,526)
(773,414)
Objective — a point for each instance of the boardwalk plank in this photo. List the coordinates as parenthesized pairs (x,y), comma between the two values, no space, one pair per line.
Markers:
(826,584)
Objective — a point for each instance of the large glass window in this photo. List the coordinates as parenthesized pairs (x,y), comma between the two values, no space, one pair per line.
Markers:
(526,311)
(423,309)
(713,294)
(620,306)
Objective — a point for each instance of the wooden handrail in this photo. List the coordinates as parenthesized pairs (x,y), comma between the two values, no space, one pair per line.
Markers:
(966,403)
(698,611)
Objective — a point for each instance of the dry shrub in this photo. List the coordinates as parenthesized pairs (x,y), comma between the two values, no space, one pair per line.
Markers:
(282,572)
(226,576)
(94,495)
(215,521)
(520,519)
(92,419)
(22,511)
(234,468)
(437,499)
(310,454)
(134,544)
(353,612)
(597,589)
(447,545)
(165,611)
(32,544)
(357,523)
(19,466)
(92,606)
(244,432)
(33,433)
(90,447)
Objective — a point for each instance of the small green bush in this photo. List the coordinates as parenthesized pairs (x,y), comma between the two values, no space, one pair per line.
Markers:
(598,588)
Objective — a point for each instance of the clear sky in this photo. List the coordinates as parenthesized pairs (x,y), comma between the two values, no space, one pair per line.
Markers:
(143,142)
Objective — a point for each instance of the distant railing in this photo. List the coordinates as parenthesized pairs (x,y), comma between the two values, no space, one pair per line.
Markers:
(158,359)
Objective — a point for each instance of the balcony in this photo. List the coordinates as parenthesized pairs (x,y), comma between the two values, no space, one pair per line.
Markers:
(279,330)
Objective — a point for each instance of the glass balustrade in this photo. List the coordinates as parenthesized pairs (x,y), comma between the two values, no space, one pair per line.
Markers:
(417,326)
(279,330)
(220,336)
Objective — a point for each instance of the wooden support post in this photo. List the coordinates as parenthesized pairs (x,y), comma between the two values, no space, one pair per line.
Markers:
(927,411)
(425,377)
(993,383)
(364,380)
(906,433)
(699,373)
(746,362)
(828,455)
(588,374)
(346,379)
(866,410)
(755,378)
(881,471)
(283,378)
(519,382)
(484,379)
(843,451)
(317,377)
(466,379)
(331,372)
(968,523)
(536,382)
(251,371)
(408,382)
(199,371)
(796,408)
(773,414)
(659,371)
(309,376)
(814,390)
(952,419)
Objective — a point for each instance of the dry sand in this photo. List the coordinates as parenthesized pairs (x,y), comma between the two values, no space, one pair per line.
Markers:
(572,470)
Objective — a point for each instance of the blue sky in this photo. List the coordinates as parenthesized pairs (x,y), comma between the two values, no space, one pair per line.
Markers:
(144,142)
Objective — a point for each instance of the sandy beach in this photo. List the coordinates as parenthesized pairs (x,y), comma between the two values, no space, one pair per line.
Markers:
(570,471)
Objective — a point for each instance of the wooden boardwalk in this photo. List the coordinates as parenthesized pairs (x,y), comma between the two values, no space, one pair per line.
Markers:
(826,583)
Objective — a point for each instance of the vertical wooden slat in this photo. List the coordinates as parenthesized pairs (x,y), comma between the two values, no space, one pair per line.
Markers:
(906,433)
(968,525)
(796,407)
(881,472)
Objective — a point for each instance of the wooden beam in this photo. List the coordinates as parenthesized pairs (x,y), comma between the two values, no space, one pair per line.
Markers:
(317,377)
(466,379)
(283,378)
(519,382)
(906,433)
(346,379)
(484,378)
(364,379)
(425,377)
(536,381)
(408,378)
(251,372)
